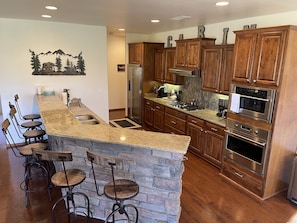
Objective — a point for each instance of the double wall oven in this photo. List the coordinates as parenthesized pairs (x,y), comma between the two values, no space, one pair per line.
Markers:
(248,144)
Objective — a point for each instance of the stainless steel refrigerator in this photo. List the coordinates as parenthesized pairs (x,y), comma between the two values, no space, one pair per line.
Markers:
(134,73)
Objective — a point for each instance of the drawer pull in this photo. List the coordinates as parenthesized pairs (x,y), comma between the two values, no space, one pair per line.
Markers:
(157,107)
(238,174)
(214,129)
(193,121)
(173,122)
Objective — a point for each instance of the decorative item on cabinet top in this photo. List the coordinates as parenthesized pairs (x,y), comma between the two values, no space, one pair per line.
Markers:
(73,65)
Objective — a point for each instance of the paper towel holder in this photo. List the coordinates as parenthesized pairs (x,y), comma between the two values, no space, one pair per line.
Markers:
(67,91)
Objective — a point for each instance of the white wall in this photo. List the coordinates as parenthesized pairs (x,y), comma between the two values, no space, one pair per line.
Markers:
(18,36)
(216,30)
(116,80)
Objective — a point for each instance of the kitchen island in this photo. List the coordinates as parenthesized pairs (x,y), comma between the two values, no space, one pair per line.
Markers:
(153,160)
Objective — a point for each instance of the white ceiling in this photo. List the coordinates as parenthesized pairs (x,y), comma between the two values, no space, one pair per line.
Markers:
(135,15)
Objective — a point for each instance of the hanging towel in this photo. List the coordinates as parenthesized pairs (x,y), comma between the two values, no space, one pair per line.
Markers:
(235,102)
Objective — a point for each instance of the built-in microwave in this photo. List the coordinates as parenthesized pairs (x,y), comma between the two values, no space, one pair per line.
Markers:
(253,102)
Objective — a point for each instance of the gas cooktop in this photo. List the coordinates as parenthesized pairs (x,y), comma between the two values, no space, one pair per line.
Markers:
(186,106)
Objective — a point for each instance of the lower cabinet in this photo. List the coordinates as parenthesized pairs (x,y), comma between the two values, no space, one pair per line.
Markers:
(154,115)
(207,140)
(175,121)
(248,179)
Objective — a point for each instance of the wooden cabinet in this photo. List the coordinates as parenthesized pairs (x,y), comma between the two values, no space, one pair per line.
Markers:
(207,140)
(154,115)
(216,68)
(188,52)
(214,143)
(175,121)
(242,176)
(164,59)
(258,56)
(195,129)
(136,53)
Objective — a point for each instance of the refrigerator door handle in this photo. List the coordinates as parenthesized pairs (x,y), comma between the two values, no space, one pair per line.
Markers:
(129,86)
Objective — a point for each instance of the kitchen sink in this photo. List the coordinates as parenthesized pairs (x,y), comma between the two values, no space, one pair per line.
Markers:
(87,119)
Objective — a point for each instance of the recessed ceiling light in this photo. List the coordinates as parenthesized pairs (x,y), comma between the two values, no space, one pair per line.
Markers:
(180,17)
(121,29)
(50,7)
(46,16)
(222,3)
(155,20)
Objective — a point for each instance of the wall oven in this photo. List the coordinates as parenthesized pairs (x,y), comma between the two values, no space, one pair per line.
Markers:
(246,145)
(253,102)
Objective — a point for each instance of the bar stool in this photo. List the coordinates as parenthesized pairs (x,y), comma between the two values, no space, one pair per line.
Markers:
(118,190)
(27,124)
(29,163)
(27,116)
(68,179)
(36,134)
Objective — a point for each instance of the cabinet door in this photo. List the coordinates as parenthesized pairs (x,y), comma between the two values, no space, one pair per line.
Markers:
(269,57)
(159,65)
(214,142)
(158,117)
(244,49)
(196,132)
(149,113)
(193,54)
(180,59)
(169,63)
(226,70)
(135,53)
(211,68)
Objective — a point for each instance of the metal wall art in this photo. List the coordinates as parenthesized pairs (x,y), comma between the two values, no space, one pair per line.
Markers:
(57,63)
(201,30)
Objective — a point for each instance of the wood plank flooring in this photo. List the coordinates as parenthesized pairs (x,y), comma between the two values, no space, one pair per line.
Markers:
(207,197)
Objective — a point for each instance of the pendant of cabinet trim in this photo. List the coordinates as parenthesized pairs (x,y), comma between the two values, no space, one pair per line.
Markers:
(216,68)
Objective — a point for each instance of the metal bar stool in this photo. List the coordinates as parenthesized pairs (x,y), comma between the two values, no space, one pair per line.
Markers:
(118,190)
(27,116)
(36,134)
(28,125)
(29,163)
(68,179)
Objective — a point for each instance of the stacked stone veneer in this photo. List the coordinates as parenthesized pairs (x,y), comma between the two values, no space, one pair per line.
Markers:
(158,173)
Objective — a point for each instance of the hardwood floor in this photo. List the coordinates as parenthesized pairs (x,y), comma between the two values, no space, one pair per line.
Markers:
(206,197)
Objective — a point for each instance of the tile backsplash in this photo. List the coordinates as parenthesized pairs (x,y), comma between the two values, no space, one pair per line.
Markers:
(192,90)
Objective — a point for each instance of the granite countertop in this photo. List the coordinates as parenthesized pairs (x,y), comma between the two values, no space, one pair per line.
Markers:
(61,121)
(205,114)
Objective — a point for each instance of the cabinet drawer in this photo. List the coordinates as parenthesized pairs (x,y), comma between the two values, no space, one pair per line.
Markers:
(159,107)
(242,176)
(148,102)
(215,128)
(195,121)
(176,123)
(176,113)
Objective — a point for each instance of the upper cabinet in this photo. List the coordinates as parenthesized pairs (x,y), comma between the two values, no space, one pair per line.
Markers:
(164,59)
(216,68)
(258,56)
(188,52)
(136,53)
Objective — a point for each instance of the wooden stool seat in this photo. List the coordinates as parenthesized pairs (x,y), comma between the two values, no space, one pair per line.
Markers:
(125,189)
(75,177)
(31,116)
(27,149)
(31,124)
(35,133)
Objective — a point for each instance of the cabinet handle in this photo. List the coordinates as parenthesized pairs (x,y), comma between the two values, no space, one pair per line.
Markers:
(173,122)
(247,80)
(152,109)
(193,121)
(238,174)
(214,129)
(201,130)
(254,81)
(205,132)
(157,107)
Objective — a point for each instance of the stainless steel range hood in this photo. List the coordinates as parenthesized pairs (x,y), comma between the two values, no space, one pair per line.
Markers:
(185,72)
